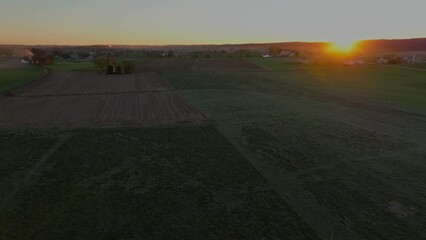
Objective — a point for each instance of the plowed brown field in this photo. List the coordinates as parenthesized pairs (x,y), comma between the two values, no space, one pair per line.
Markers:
(89,99)
(90,83)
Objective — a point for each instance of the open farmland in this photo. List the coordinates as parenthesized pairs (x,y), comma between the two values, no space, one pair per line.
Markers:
(162,184)
(344,145)
(289,152)
(67,66)
(13,73)
(96,110)
(160,65)
(225,65)
(83,83)
(89,99)
(8,63)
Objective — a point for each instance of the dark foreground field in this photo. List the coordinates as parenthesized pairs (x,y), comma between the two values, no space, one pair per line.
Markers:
(288,152)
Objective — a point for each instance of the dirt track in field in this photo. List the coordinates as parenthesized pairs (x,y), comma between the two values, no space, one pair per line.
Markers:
(89,100)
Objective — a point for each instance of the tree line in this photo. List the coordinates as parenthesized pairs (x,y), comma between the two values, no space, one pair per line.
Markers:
(109,65)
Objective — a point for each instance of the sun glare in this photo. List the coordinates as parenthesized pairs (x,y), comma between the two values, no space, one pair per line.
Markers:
(343,46)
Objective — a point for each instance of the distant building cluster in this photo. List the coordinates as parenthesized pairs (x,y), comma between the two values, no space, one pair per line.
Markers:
(395,59)
(301,53)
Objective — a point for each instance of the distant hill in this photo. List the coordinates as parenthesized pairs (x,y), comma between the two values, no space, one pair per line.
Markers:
(395,45)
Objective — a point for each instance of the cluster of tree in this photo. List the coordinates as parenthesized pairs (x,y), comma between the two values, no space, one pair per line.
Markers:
(57,52)
(247,53)
(41,57)
(275,50)
(109,65)
(206,54)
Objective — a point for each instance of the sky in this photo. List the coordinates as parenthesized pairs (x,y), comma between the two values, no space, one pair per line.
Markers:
(159,22)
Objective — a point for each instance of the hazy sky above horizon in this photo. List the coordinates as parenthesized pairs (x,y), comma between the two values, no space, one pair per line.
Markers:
(206,21)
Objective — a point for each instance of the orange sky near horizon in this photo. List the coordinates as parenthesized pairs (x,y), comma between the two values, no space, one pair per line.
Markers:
(161,22)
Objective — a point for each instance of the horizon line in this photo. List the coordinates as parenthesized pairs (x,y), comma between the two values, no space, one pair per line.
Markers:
(201,44)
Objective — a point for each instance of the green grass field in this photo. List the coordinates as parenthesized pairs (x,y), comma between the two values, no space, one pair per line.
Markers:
(403,89)
(416,65)
(163,182)
(335,139)
(68,66)
(276,64)
(10,78)
(296,152)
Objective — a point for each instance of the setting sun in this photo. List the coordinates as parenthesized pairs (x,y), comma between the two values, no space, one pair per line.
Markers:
(343,46)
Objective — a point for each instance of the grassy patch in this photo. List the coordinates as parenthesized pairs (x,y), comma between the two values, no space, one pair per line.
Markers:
(276,64)
(383,86)
(330,138)
(67,66)
(10,78)
(416,65)
(19,152)
(376,84)
(375,193)
(163,183)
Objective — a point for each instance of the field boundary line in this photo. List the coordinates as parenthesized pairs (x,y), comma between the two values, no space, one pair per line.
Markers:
(288,193)
(180,94)
(33,171)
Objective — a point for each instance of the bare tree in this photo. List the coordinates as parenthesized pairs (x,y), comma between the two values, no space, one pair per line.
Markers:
(103,63)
